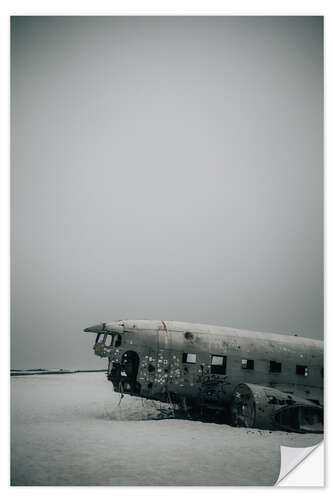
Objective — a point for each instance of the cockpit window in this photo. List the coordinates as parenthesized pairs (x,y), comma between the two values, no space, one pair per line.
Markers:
(108,340)
(100,338)
(117,340)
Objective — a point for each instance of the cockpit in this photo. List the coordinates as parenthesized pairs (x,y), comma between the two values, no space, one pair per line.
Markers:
(108,340)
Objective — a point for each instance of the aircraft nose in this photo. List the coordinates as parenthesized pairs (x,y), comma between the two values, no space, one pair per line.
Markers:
(95,328)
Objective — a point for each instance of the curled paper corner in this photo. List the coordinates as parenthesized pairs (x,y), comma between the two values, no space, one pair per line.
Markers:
(291,458)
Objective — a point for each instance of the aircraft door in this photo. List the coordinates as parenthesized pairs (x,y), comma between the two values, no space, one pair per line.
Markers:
(128,372)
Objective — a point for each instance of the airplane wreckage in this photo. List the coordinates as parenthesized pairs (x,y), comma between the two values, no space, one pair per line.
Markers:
(255,379)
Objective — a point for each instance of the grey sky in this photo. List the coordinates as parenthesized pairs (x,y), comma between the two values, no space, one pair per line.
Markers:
(164,168)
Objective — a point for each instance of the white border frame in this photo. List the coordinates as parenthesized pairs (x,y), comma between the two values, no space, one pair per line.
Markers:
(143,7)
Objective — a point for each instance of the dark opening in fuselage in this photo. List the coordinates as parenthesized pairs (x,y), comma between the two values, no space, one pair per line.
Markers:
(123,375)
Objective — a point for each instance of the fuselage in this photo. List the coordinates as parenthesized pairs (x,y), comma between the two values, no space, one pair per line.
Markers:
(204,363)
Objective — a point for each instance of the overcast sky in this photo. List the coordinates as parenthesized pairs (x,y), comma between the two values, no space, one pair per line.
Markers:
(167,168)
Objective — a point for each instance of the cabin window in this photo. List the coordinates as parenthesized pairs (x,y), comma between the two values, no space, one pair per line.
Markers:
(248,364)
(302,370)
(275,367)
(218,365)
(189,357)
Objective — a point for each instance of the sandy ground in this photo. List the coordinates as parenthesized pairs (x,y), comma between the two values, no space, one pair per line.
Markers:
(68,430)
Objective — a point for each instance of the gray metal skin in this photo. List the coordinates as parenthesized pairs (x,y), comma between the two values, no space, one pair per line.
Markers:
(163,374)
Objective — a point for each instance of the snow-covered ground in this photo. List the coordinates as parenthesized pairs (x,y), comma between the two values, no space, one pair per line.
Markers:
(68,430)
